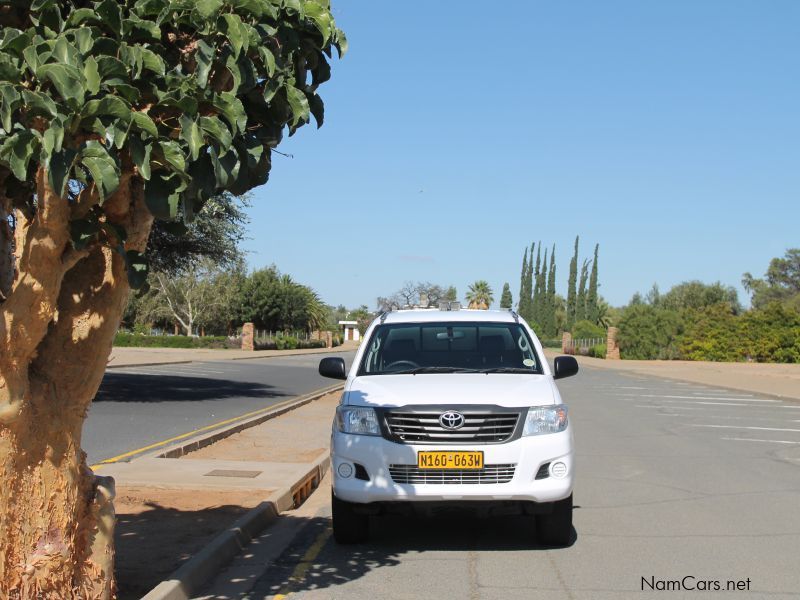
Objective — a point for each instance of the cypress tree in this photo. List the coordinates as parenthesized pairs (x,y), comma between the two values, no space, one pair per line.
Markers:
(521,306)
(506,301)
(540,304)
(550,301)
(592,312)
(580,299)
(571,287)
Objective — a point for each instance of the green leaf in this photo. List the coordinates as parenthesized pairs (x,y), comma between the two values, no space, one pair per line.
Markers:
(110,15)
(140,153)
(321,17)
(84,39)
(83,232)
(191,134)
(37,103)
(162,196)
(14,41)
(82,15)
(217,130)
(205,58)
(10,100)
(53,138)
(145,123)
(67,80)
(153,62)
(298,103)
(233,31)
(109,67)
(65,53)
(137,267)
(173,154)
(268,58)
(92,75)
(232,110)
(293,7)
(102,167)
(317,109)
(59,167)
(17,151)
(207,8)
(111,106)
(341,43)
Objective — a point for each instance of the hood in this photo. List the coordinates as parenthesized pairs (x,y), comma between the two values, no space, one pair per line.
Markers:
(502,389)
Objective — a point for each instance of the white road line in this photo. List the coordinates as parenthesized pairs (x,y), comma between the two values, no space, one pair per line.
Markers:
(748,427)
(671,402)
(705,398)
(754,440)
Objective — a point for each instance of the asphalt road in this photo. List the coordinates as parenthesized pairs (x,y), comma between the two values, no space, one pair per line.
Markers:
(139,406)
(676,482)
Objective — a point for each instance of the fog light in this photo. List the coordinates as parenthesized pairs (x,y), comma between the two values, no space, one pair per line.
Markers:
(558,469)
(345,470)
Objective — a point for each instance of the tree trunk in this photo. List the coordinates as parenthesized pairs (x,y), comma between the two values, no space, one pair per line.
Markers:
(58,324)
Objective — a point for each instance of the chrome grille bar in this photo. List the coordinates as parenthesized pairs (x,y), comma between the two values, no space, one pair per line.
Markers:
(409,474)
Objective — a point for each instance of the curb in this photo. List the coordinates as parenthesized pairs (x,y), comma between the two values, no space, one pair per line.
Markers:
(198,570)
(186,362)
(206,439)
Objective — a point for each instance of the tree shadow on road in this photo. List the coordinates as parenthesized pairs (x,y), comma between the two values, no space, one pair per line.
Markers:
(393,539)
(124,387)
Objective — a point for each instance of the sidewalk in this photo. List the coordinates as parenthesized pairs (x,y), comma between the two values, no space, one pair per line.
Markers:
(131,357)
(171,510)
(782,380)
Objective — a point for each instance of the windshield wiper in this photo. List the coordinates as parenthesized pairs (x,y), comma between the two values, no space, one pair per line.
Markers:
(510,370)
(418,370)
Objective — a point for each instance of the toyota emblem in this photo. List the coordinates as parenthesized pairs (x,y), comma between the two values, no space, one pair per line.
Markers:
(451,420)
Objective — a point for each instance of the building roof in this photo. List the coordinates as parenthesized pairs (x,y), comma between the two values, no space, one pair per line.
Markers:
(348,322)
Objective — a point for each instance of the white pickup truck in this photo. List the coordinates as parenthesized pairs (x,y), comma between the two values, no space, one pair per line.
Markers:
(451,407)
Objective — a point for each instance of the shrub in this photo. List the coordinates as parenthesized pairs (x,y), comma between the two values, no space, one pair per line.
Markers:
(598,351)
(586,330)
(647,333)
(551,343)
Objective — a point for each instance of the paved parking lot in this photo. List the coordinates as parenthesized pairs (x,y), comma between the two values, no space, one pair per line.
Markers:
(676,482)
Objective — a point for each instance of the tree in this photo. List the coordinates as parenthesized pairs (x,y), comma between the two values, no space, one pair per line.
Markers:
(580,298)
(113,114)
(214,234)
(781,283)
(591,295)
(571,286)
(540,293)
(274,301)
(550,299)
(506,301)
(523,278)
(480,295)
(451,295)
(696,294)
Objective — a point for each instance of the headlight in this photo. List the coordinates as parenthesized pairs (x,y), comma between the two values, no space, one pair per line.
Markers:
(545,419)
(357,419)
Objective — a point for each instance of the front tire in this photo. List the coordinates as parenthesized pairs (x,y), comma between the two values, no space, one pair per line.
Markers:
(349,527)
(555,528)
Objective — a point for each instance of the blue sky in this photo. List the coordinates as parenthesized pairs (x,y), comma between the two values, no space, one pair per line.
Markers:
(457,133)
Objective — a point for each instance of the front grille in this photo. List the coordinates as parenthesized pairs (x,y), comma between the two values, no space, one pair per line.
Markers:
(489,474)
(424,427)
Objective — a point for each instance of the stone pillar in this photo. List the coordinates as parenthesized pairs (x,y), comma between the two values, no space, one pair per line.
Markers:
(248,335)
(329,339)
(566,343)
(612,350)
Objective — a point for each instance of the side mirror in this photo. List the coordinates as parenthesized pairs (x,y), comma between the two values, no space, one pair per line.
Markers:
(333,367)
(563,366)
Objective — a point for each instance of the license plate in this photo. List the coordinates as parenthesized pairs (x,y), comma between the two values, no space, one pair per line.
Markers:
(450,460)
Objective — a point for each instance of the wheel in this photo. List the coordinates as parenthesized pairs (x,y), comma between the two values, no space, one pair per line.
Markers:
(349,527)
(555,528)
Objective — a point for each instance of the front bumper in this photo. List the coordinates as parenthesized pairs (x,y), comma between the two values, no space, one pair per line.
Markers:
(375,454)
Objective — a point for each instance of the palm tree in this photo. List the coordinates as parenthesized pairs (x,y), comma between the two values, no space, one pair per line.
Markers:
(480,295)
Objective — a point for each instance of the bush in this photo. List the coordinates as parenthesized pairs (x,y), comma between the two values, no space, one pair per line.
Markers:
(551,343)
(598,351)
(648,333)
(586,330)
(135,340)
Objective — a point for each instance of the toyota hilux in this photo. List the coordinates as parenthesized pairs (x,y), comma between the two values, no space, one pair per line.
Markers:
(446,409)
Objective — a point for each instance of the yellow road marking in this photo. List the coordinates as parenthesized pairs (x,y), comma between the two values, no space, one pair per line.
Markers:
(305,563)
(194,432)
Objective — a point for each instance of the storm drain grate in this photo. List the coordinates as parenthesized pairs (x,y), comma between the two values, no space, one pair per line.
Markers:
(232,473)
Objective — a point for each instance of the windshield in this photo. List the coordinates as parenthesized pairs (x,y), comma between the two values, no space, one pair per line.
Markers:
(449,348)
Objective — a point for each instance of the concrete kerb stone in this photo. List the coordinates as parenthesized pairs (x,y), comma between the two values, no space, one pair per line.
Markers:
(150,364)
(206,439)
(198,570)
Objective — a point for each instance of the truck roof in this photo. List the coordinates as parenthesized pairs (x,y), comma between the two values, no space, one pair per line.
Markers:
(435,315)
